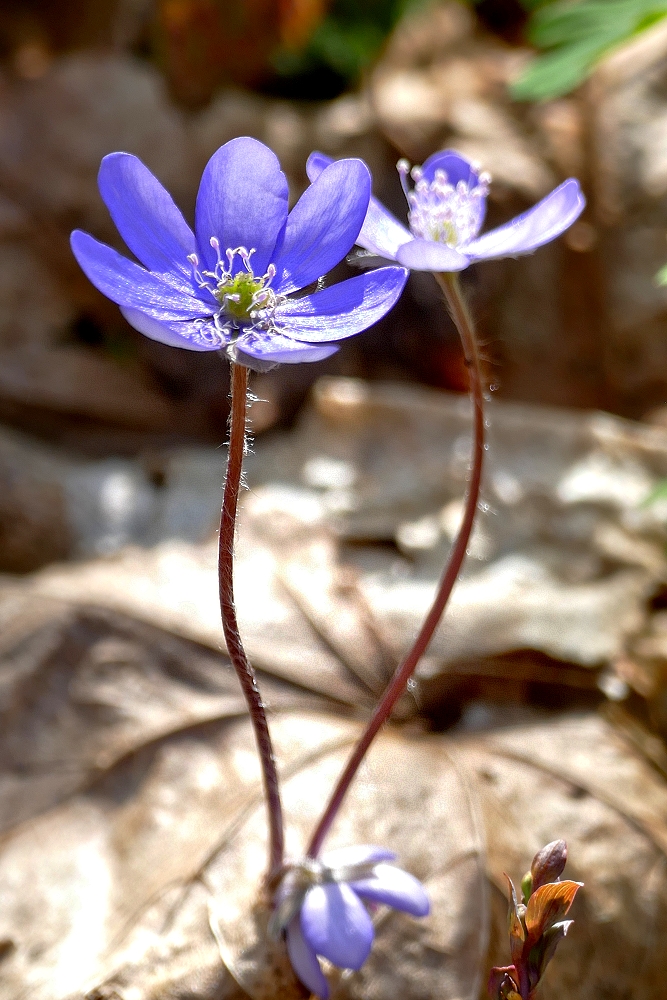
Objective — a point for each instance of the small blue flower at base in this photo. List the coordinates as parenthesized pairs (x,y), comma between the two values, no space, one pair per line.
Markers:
(321,907)
(446,210)
(230,285)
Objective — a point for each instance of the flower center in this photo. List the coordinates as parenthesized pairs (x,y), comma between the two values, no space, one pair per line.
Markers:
(244,299)
(443,212)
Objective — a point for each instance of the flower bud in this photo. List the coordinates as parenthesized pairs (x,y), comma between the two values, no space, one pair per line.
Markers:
(548,864)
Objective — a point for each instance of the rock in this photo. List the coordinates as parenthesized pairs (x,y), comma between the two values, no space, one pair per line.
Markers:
(114,732)
(56,129)
(54,505)
(350,520)
(82,382)
(35,309)
(628,110)
(34,526)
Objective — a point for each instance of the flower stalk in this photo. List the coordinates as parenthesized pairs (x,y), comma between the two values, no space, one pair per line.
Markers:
(237,654)
(449,283)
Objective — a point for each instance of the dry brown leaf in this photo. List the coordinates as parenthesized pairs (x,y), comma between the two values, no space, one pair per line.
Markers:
(119,867)
(129,783)
(141,823)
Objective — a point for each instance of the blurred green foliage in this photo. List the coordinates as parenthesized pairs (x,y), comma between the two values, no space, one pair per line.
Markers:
(571,36)
(348,38)
(574,35)
(657,494)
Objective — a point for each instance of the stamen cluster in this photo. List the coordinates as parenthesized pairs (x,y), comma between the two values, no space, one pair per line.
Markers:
(443,212)
(247,302)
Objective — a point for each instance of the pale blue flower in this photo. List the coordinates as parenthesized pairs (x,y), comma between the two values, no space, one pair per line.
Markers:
(323,907)
(446,209)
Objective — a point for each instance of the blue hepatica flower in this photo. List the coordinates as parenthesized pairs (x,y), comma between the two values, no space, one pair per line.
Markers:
(321,906)
(229,285)
(446,209)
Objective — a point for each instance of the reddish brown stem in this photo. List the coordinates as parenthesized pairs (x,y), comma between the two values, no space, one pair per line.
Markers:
(244,670)
(457,307)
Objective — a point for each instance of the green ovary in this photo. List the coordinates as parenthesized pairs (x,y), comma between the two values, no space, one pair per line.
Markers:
(445,232)
(243,287)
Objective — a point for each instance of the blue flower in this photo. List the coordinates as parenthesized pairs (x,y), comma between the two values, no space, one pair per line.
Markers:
(446,209)
(229,285)
(321,907)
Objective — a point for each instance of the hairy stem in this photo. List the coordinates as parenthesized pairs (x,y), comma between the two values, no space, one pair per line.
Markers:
(458,309)
(244,670)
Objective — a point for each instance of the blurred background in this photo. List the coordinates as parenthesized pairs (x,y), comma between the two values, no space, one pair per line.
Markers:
(120,716)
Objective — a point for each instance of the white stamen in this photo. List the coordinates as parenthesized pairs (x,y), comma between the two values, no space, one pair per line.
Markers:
(403,168)
(258,318)
(443,212)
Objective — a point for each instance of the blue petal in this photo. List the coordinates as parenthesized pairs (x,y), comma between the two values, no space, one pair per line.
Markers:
(394,887)
(146,216)
(242,201)
(324,224)
(193,335)
(279,349)
(358,855)
(427,255)
(381,233)
(454,165)
(304,960)
(539,225)
(127,284)
(316,163)
(343,309)
(336,925)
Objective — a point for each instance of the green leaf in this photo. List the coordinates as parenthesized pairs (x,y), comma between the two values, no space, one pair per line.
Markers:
(556,73)
(347,50)
(574,35)
(565,23)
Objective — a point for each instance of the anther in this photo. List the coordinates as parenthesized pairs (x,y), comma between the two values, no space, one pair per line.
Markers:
(403,168)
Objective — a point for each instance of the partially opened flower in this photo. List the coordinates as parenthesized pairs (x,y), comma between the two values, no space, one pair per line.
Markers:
(321,905)
(446,209)
(230,284)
